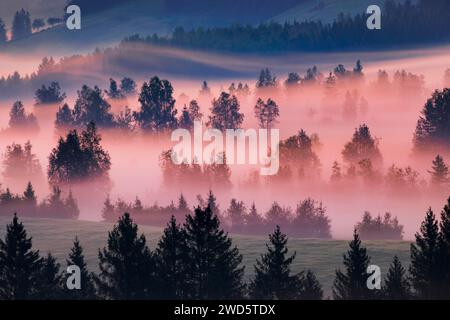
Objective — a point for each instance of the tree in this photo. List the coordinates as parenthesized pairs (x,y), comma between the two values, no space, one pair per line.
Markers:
(21,26)
(19,119)
(362,146)
(91,106)
(336,173)
(126,264)
(213,270)
(29,199)
(425,268)
(114,92)
(64,117)
(20,266)
(432,128)
(225,113)
(309,287)
(171,261)
(440,174)
(352,283)
(266,79)
(50,94)
(266,113)
(87,290)
(50,279)
(38,24)
(293,80)
(3,35)
(396,285)
(108,211)
(236,213)
(21,164)
(127,86)
(205,90)
(444,245)
(78,158)
(157,111)
(273,279)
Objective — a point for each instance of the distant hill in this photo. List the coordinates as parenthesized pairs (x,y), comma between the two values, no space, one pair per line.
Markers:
(326,10)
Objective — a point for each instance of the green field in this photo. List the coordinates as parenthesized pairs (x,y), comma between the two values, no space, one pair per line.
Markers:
(321,256)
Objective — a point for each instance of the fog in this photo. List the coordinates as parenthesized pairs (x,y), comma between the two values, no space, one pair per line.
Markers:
(391,116)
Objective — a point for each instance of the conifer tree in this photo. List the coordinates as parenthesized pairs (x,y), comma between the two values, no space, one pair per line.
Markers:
(273,279)
(352,283)
(309,287)
(444,244)
(126,264)
(49,285)
(20,266)
(213,270)
(108,210)
(87,290)
(171,260)
(426,277)
(396,285)
(439,172)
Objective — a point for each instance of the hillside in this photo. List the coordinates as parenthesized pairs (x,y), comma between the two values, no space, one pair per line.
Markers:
(326,10)
(321,256)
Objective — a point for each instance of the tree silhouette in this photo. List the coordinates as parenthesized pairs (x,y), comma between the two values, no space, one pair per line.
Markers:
(114,91)
(396,285)
(273,279)
(50,279)
(87,290)
(362,146)
(127,86)
(20,266)
(171,262)
(266,79)
(21,26)
(444,244)
(213,270)
(440,174)
(225,113)
(432,128)
(126,264)
(3,35)
(157,111)
(64,118)
(91,106)
(19,119)
(352,283)
(426,277)
(266,113)
(79,158)
(50,94)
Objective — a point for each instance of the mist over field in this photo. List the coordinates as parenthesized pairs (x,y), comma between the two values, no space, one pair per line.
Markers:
(391,116)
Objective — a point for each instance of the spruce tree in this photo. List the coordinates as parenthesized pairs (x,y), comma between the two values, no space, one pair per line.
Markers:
(87,290)
(171,258)
(49,284)
(273,279)
(126,264)
(444,246)
(309,287)
(352,283)
(20,266)
(396,285)
(213,270)
(426,277)
(439,172)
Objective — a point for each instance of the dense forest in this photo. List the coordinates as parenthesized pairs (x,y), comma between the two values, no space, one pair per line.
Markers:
(427,20)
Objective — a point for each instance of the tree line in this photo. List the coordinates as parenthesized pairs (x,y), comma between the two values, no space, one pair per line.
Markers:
(308,220)
(197,260)
(426,20)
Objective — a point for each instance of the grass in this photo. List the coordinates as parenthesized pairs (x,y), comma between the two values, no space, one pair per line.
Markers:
(321,256)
